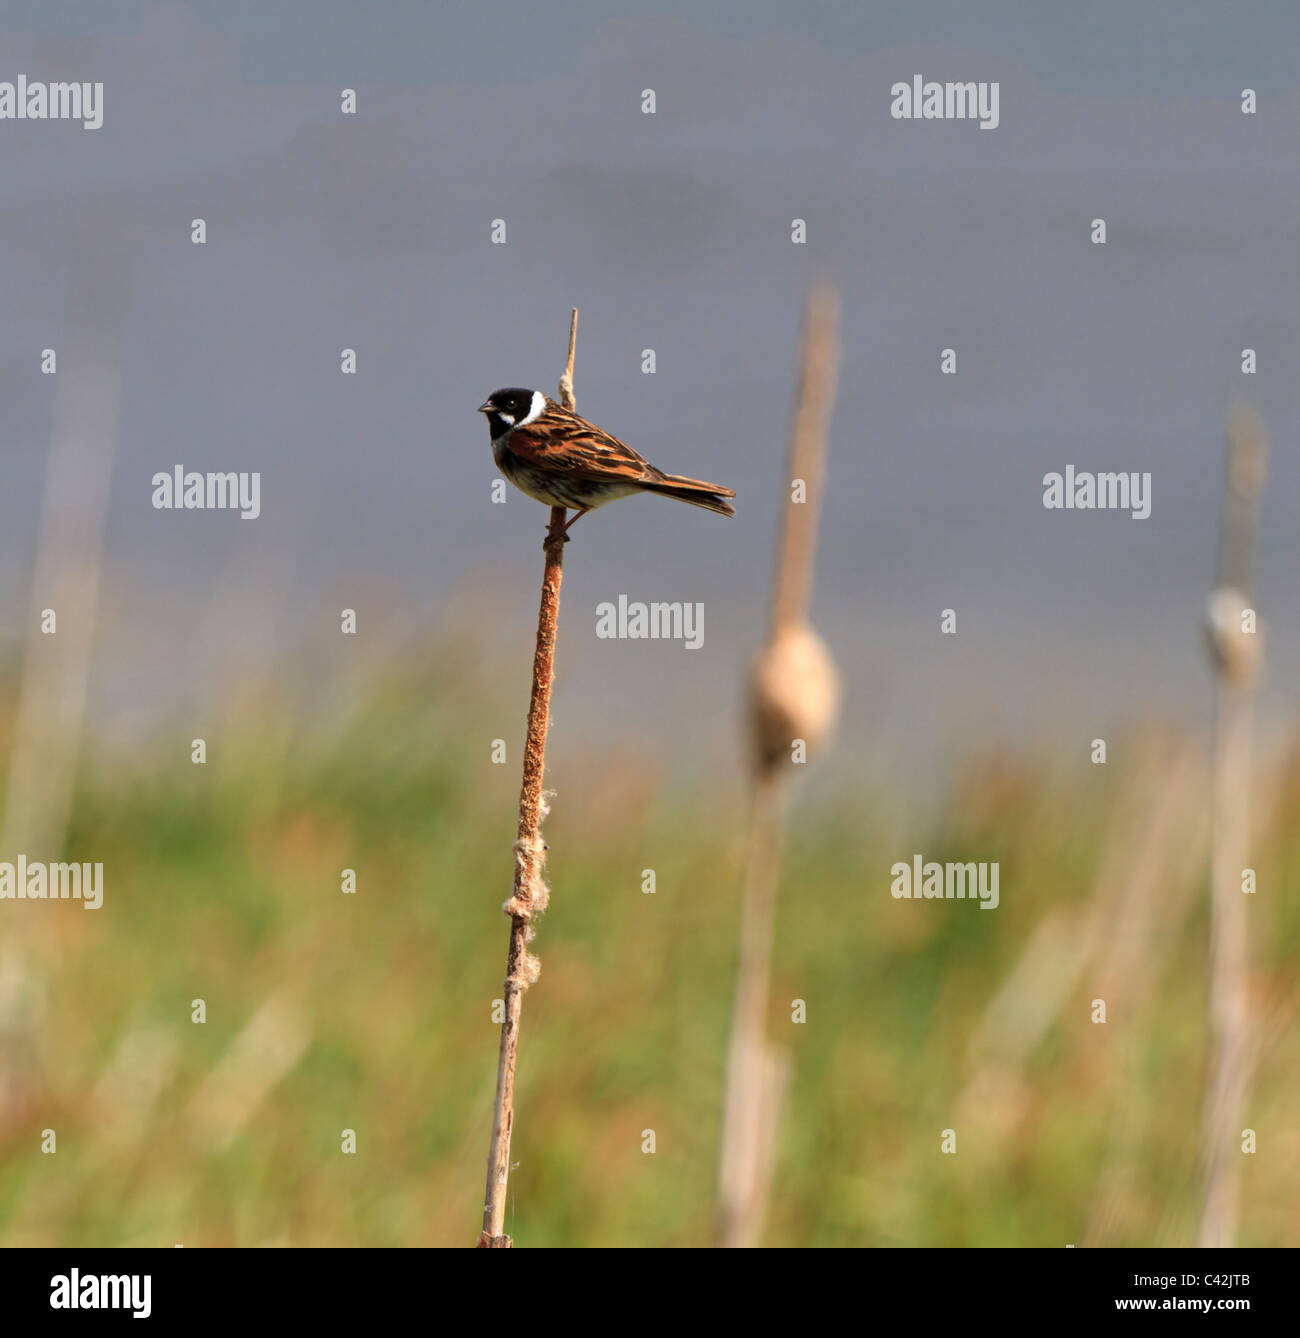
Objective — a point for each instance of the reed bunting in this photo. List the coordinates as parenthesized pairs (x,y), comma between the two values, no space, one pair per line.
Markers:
(562,460)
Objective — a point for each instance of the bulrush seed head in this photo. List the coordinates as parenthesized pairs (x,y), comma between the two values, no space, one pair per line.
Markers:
(794,694)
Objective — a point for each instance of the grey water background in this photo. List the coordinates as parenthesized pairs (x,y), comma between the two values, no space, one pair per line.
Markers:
(670,232)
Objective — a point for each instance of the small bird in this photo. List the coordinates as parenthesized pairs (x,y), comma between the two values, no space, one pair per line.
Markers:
(562,460)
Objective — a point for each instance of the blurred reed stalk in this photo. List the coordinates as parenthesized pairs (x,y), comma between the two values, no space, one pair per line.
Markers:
(258,1060)
(530,893)
(793,697)
(1235,655)
(69,554)
(52,690)
(1117,941)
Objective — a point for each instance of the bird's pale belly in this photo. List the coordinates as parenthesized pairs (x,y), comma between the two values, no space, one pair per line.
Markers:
(553,488)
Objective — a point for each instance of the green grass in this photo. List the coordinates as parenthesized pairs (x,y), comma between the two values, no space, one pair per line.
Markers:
(222,883)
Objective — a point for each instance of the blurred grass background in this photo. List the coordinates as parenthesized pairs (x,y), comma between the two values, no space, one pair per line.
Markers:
(372,1011)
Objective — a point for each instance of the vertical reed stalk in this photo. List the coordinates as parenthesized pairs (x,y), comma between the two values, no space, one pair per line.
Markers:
(793,697)
(756,1071)
(50,711)
(529,893)
(1235,654)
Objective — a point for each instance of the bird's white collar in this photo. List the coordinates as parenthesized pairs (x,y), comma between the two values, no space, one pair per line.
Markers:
(535,409)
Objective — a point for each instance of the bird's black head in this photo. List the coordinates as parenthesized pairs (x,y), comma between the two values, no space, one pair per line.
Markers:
(511,407)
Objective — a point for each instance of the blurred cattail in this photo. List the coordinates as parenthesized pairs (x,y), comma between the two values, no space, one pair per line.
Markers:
(1235,653)
(793,696)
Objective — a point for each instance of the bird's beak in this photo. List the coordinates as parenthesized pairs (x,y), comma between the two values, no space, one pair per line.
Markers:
(486,407)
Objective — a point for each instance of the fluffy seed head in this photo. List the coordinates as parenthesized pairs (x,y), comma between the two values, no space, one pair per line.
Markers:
(794,694)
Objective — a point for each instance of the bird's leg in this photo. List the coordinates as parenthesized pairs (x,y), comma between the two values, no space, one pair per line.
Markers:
(577,515)
(556,532)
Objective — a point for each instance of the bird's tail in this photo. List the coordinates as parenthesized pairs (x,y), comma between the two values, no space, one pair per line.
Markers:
(711,496)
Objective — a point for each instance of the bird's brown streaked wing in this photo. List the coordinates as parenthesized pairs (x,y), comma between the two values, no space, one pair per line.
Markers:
(563,441)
